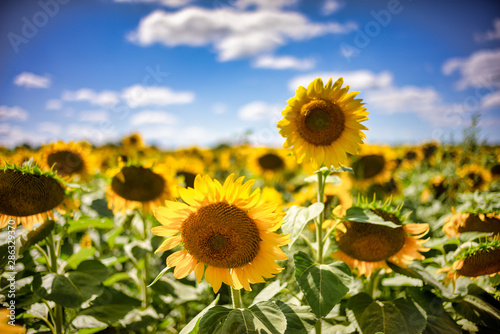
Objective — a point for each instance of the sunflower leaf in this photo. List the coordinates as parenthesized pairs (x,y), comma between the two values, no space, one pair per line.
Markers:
(188,329)
(35,236)
(331,170)
(163,272)
(299,319)
(269,292)
(361,215)
(297,218)
(323,285)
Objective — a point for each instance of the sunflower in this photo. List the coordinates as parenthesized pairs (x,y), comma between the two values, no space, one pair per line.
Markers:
(69,160)
(133,141)
(437,186)
(321,124)
(225,233)
(5,327)
(186,167)
(368,246)
(137,186)
(480,260)
(374,165)
(478,221)
(409,157)
(475,177)
(28,195)
(269,163)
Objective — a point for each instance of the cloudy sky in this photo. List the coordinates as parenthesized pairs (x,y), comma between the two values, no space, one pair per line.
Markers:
(194,72)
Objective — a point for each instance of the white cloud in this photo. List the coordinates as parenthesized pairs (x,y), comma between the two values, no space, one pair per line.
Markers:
(49,128)
(14,112)
(491,100)
(257,110)
(219,108)
(32,80)
(106,98)
(490,35)
(167,3)
(264,4)
(141,96)
(53,104)
(93,134)
(11,136)
(233,33)
(177,137)
(93,116)
(330,7)
(284,62)
(152,117)
(361,79)
(392,100)
(481,69)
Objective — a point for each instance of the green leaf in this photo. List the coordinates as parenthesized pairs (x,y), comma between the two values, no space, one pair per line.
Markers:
(382,317)
(111,306)
(82,255)
(95,269)
(188,329)
(35,236)
(297,218)
(84,224)
(213,320)
(361,215)
(299,319)
(69,290)
(91,330)
(269,291)
(163,272)
(328,171)
(323,285)
(479,307)
(115,278)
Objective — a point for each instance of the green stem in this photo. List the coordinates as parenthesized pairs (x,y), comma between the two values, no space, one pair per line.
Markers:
(373,283)
(317,327)
(44,254)
(59,312)
(145,279)
(236,294)
(319,232)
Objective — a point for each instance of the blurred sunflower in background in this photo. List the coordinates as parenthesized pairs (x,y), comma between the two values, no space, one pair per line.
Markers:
(474,177)
(186,167)
(71,160)
(473,262)
(374,165)
(226,235)
(321,124)
(367,247)
(409,157)
(269,164)
(29,195)
(476,220)
(136,186)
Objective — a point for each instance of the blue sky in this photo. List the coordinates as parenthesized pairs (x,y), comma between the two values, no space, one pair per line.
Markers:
(193,72)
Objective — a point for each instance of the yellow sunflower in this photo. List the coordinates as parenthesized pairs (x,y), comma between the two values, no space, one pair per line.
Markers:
(374,165)
(367,247)
(462,222)
(475,177)
(409,157)
(133,141)
(28,195)
(186,168)
(140,187)
(321,124)
(480,260)
(437,186)
(269,163)
(225,233)
(5,327)
(69,160)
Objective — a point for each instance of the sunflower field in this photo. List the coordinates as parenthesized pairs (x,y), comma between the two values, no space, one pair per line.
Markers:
(326,235)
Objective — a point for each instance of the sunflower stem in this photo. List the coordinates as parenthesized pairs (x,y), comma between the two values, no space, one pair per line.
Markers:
(236,295)
(59,312)
(145,271)
(321,218)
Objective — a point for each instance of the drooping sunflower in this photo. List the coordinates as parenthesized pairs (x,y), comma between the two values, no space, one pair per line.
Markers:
(29,195)
(321,124)
(475,177)
(373,165)
(366,246)
(69,160)
(480,260)
(475,221)
(136,186)
(226,235)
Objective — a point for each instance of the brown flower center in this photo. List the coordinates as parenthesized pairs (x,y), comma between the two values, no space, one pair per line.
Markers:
(138,184)
(221,235)
(369,242)
(474,224)
(368,166)
(271,162)
(23,195)
(321,122)
(483,262)
(188,178)
(65,162)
